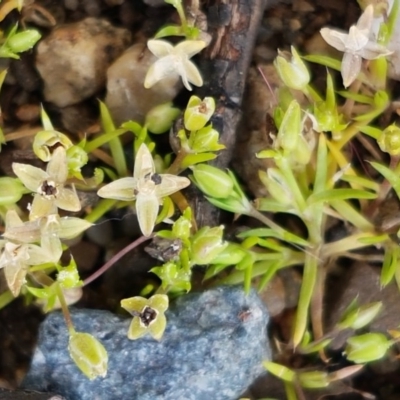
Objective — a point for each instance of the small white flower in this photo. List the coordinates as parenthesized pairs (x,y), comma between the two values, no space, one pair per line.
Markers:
(16,259)
(174,60)
(356,45)
(49,185)
(146,187)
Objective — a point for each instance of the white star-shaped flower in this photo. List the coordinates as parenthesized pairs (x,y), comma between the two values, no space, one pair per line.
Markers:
(49,185)
(146,187)
(356,45)
(174,60)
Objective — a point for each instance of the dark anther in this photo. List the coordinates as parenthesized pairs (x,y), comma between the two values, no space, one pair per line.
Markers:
(147,316)
(156,178)
(48,190)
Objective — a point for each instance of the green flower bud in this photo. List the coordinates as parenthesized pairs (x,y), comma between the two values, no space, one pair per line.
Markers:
(212,181)
(160,118)
(207,244)
(292,70)
(231,255)
(89,354)
(182,226)
(23,41)
(361,317)
(313,379)
(302,152)
(44,140)
(280,371)
(389,140)
(68,276)
(76,159)
(205,139)
(276,186)
(366,348)
(198,112)
(290,128)
(11,190)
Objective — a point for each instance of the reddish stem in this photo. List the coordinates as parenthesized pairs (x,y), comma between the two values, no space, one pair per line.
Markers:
(115,258)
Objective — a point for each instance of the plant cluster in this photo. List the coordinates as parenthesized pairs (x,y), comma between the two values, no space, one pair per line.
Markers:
(311,178)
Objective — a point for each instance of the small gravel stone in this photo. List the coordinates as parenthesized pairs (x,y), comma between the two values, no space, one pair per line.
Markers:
(213,348)
(74,58)
(127,98)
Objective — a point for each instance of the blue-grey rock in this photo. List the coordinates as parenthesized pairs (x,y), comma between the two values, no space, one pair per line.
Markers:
(212,349)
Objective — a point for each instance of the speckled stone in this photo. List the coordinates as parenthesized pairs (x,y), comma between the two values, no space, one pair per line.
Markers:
(213,348)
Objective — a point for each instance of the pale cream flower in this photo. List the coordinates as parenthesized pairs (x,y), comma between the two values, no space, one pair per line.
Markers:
(356,45)
(148,315)
(16,258)
(49,185)
(174,60)
(146,187)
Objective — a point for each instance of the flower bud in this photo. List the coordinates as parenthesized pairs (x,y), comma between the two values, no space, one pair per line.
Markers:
(292,70)
(205,139)
(198,112)
(366,348)
(313,379)
(160,118)
(47,139)
(207,244)
(290,128)
(11,190)
(280,371)
(231,255)
(389,140)
(89,354)
(23,41)
(276,186)
(76,159)
(302,152)
(212,181)
(361,317)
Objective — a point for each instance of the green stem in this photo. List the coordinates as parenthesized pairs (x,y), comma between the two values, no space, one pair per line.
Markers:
(64,308)
(103,206)
(306,293)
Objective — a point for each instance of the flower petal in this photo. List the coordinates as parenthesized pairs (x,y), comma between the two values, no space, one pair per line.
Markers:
(144,163)
(57,167)
(374,50)
(15,274)
(136,329)
(38,255)
(335,38)
(162,68)
(190,73)
(356,40)
(159,302)
(157,328)
(13,220)
(121,189)
(160,48)
(366,18)
(67,199)
(41,207)
(190,47)
(51,245)
(351,66)
(71,227)
(32,177)
(170,184)
(136,304)
(146,210)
